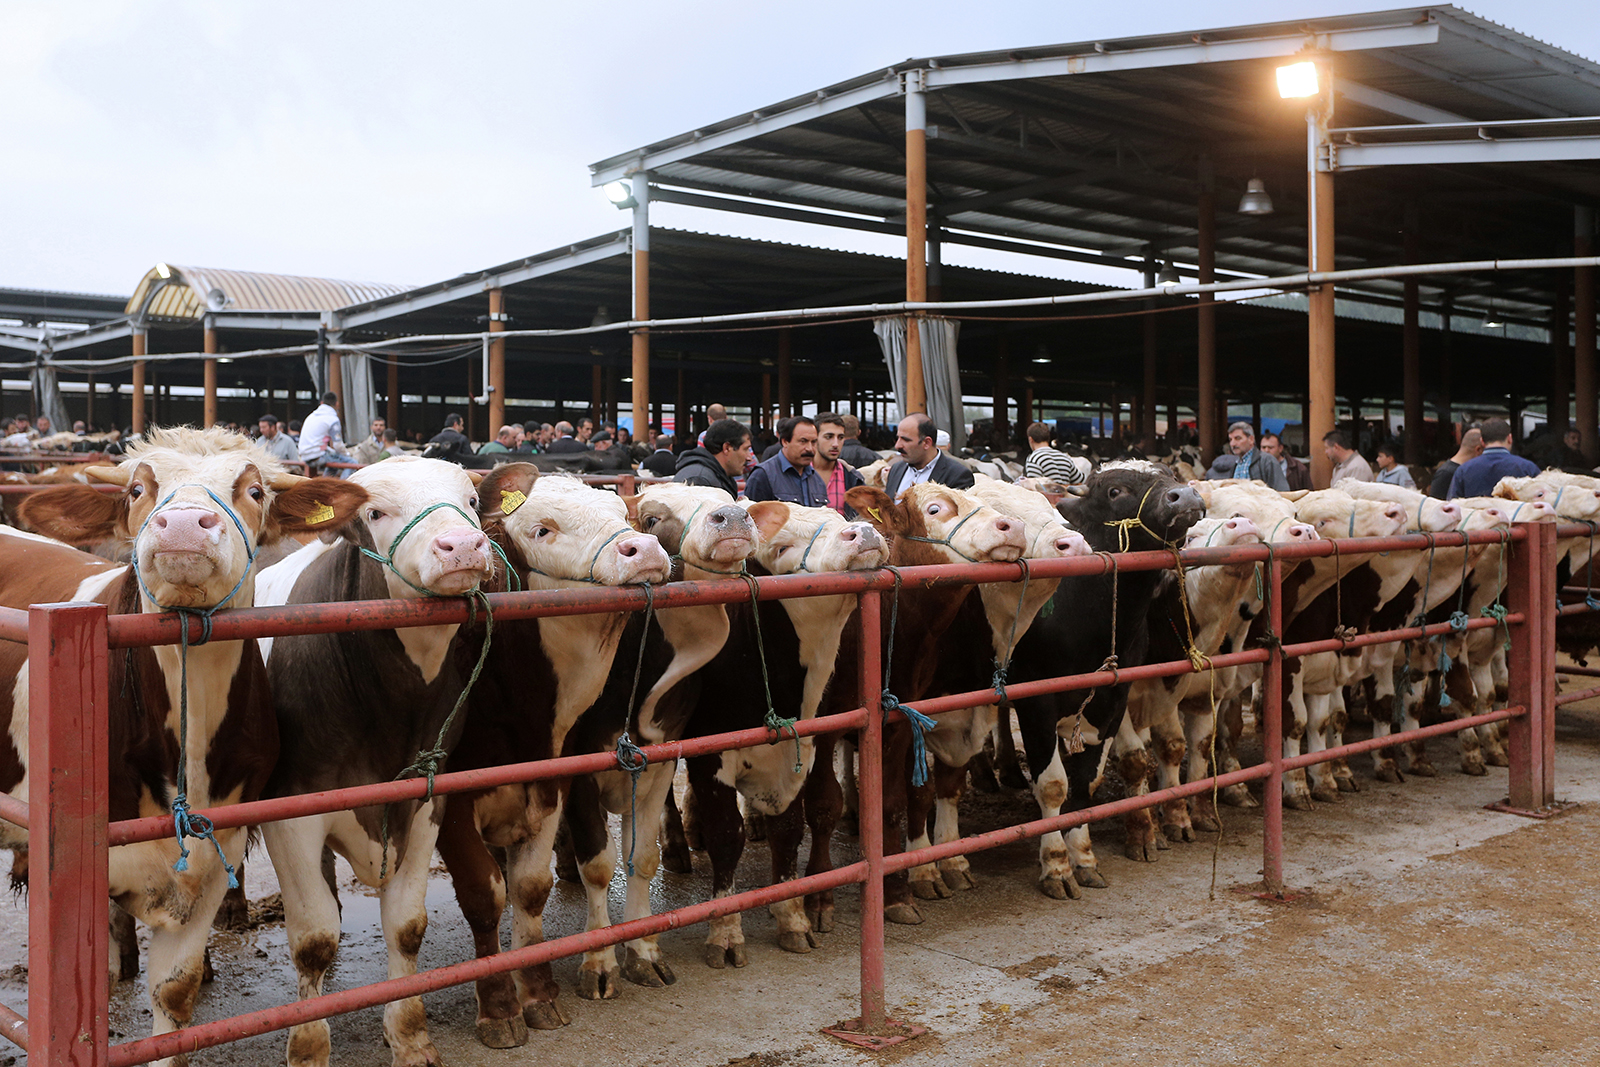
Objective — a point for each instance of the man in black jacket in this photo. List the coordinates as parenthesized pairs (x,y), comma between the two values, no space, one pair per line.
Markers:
(915,440)
(453,445)
(662,463)
(853,451)
(564,441)
(720,460)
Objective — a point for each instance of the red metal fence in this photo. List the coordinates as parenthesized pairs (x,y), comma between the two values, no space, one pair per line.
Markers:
(70,645)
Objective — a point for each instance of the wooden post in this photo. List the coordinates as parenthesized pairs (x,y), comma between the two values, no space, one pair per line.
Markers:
(1152,341)
(916,233)
(137,420)
(785,377)
(1583,368)
(1210,430)
(497,362)
(641,302)
(1559,411)
(208,415)
(1320,362)
(392,393)
(1025,414)
(1411,347)
(597,394)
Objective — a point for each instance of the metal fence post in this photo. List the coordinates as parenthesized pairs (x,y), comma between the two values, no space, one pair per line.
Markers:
(68,870)
(1272,737)
(869,794)
(1530,589)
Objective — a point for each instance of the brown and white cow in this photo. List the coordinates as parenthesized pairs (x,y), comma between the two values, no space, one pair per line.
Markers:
(359,708)
(196,508)
(541,675)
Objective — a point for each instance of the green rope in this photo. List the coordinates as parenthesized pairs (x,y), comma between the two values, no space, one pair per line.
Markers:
(1002,669)
(888,702)
(774,722)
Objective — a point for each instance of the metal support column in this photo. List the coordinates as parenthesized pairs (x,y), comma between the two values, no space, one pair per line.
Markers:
(1147,397)
(137,420)
(1319,224)
(68,690)
(641,303)
(209,407)
(1206,412)
(1271,728)
(870,807)
(1002,390)
(392,393)
(496,386)
(1583,355)
(1558,410)
(786,406)
(916,233)
(1411,347)
(1531,589)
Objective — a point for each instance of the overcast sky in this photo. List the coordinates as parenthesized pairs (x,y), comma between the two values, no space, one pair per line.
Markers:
(408,142)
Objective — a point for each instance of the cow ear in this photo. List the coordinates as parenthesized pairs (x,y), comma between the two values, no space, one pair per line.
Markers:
(874,505)
(769,517)
(632,504)
(1293,494)
(1506,488)
(76,514)
(503,489)
(108,475)
(314,506)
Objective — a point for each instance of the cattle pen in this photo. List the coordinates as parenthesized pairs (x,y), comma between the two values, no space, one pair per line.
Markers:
(70,647)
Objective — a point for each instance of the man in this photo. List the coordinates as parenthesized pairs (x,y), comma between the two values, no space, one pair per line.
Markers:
(921,460)
(1347,462)
(1244,460)
(1471,448)
(369,450)
(1390,470)
(506,440)
(585,431)
(322,438)
(80,427)
(453,444)
(275,443)
(854,452)
(391,445)
(565,441)
(788,475)
(836,474)
(662,463)
(1295,471)
(43,425)
(602,441)
(1478,477)
(720,460)
(1046,462)
(715,413)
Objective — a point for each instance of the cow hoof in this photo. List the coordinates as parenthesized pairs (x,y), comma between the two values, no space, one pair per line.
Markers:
(1473,766)
(821,919)
(1175,832)
(929,889)
(1497,759)
(677,860)
(1423,769)
(718,958)
(904,914)
(1140,851)
(1327,793)
(1238,796)
(1058,888)
(1088,877)
(545,1015)
(208,973)
(503,1033)
(958,879)
(1388,772)
(798,941)
(1206,823)
(652,974)
(1298,801)
(598,985)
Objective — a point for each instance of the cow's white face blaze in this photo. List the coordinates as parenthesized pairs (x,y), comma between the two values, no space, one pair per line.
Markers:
(446,552)
(571,532)
(970,528)
(1574,500)
(710,531)
(795,538)
(1337,514)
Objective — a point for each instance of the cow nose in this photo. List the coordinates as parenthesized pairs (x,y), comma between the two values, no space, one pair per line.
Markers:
(632,546)
(186,529)
(179,517)
(728,515)
(461,539)
(1003,524)
(849,534)
(1072,544)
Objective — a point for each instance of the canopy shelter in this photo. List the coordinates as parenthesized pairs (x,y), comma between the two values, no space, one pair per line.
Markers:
(1428,135)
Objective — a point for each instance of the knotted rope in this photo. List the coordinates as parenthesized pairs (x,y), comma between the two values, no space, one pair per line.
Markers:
(1002,667)
(774,722)
(920,723)
(630,757)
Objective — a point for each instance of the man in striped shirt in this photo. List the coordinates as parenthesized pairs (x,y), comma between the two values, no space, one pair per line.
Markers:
(1045,462)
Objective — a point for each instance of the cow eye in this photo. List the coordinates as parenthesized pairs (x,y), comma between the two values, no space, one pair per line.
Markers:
(472,502)
(135,491)
(542,531)
(1113,493)
(373,515)
(650,521)
(784,548)
(934,509)
(256,493)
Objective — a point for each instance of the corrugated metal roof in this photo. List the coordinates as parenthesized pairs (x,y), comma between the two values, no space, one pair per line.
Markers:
(172,292)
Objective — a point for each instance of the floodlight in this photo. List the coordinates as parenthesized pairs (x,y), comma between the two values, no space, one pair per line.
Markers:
(1255,200)
(620,194)
(1169,275)
(163,271)
(1298,80)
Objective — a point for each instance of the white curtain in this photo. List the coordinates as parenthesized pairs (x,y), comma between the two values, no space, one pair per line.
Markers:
(47,396)
(360,405)
(940,373)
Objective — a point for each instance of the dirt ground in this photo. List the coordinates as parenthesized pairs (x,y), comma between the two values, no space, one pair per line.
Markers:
(1429,931)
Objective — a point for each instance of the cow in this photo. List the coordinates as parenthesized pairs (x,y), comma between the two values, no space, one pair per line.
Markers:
(1092,621)
(540,676)
(648,697)
(786,655)
(196,507)
(363,707)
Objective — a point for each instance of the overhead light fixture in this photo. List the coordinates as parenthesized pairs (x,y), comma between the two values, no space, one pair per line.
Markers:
(1298,80)
(1491,321)
(1168,275)
(620,194)
(1041,354)
(163,271)
(1255,200)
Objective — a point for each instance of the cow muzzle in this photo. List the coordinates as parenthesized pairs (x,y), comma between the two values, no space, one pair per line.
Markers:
(634,560)
(186,551)
(726,535)
(459,558)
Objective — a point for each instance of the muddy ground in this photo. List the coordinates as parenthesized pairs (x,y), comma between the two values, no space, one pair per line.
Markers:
(1428,930)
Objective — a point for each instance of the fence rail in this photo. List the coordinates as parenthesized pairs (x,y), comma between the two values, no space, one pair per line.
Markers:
(69,648)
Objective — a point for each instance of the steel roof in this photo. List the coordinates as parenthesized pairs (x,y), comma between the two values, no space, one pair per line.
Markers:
(181,293)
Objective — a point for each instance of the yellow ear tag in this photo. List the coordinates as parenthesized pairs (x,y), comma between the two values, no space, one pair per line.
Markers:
(877,516)
(511,500)
(323,514)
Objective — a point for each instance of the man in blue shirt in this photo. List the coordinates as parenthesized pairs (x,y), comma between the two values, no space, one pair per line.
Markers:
(789,475)
(1478,477)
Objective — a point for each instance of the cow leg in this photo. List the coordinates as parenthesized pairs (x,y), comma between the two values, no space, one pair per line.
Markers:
(481,894)
(675,855)
(177,954)
(403,909)
(528,872)
(897,755)
(644,965)
(1007,763)
(1199,730)
(824,800)
(1385,707)
(948,784)
(1344,778)
(591,844)
(235,911)
(1486,695)
(982,769)
(784,832)
(925,881)
(1502,697)
(311,914)
(1169,748)
(1135,766)
(1319,715)
(1296,793)
(850,805)
(124,945)
(1055,867)
(1472,761)
(722,832)
(1231,726)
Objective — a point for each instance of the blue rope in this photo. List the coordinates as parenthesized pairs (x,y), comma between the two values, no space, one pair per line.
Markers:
(920,723)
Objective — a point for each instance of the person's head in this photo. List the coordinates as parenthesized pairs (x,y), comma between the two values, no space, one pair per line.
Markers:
(454,421)
(830,436)
(1336,446)
(1387,459)
(330,398)
(80,427)
(43,425)
(585,429)
(268,425)
(563,428)
(1272,445)
(915,439)
(1496,433)
(1241,438)
(378,426)
(716,413)
(797,437)
(391,437)
(1572,438)
(852,427)
(22,422)
(1038,436)
(510,436)
(729,441)
(941,441)
(1471,442)
(624,436)
(664,442)
(602,441)
(294,427)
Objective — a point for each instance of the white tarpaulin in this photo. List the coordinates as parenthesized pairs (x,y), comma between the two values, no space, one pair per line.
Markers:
(47,397)
(940,374)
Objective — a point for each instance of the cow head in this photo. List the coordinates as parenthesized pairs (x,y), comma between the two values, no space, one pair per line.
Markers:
(1049,537)
(1424,514)
(795,539)
(1215,531)
(562,531)
(1336,514)
(1574,497)
(1132,503)
(196,505)
(420,515)
(1272,514)
(933,523)
(697,523)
